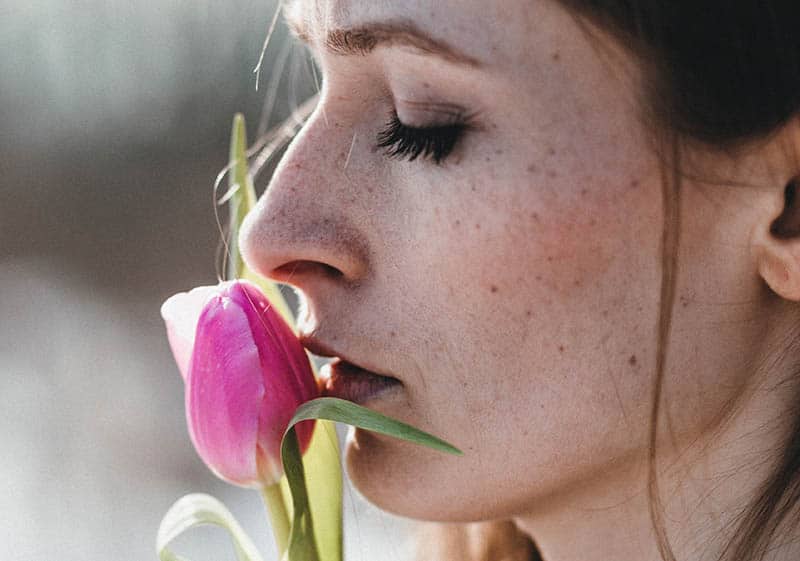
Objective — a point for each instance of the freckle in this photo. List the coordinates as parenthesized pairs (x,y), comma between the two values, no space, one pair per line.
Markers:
(551,174)
(474,189)
(532,169)
(592,222)
(370,190)
(528,313)
(550,259)
(635,183)
(535,215)
(498,151)
(538,277)
(632,360)
(584,191)
(477,226)
(577,283)
(393,334)
(494,288)
(561,348)
(487,159)
(556,55)
(458,222)
(551,151)
(426,85)
(605,313)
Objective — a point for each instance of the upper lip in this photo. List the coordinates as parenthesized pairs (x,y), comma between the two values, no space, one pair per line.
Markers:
(321,349)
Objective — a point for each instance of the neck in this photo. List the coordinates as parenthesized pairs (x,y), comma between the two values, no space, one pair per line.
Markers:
(705,484)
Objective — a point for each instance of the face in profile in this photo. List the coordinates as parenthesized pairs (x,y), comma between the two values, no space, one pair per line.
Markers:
(475,209)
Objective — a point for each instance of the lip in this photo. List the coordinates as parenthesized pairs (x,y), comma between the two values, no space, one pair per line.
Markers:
(347,381)
(320,349)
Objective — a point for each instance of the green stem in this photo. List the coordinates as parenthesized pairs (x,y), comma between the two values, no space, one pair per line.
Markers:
(278,516)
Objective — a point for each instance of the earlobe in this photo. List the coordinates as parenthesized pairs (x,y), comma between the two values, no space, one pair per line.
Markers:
(777,248)
(780,270)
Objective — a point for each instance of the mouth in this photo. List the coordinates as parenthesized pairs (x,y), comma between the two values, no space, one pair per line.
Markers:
(347,380)
(351,382)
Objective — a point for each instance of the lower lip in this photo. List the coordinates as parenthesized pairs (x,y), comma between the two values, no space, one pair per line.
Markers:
(347,381)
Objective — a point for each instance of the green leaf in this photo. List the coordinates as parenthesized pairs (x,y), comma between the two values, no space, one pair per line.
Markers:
(323,470)
(241,192)
(302,542)
(340,410)
(196,509)
(241,198)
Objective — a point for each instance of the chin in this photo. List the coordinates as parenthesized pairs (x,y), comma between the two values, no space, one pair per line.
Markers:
(408,480)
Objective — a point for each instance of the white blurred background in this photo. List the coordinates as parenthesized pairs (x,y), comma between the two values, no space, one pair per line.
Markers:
(114,121)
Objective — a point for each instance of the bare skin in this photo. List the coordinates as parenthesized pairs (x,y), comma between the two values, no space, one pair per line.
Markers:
(513,287)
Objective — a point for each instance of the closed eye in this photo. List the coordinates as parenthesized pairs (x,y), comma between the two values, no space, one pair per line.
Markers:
(434,143)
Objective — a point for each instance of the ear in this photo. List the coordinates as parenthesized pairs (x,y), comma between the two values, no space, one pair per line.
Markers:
(776,246)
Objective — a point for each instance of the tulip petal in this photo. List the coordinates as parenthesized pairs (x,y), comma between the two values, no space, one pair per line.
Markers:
(224,391)
(181,313)
(287,375)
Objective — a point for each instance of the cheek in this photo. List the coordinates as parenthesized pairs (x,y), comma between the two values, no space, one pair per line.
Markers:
(562,293)
(571,242)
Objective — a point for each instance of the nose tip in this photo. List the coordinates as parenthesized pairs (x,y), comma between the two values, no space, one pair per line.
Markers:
(289,246)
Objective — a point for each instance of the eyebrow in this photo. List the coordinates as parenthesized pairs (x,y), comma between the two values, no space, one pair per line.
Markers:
(363,39)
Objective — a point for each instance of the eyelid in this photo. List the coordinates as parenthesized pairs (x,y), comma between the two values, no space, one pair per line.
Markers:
(429,114)
(442,113)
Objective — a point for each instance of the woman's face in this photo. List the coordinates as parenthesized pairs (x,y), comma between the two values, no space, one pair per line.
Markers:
(512,286)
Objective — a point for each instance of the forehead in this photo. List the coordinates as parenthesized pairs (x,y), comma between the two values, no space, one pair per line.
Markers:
(473,26)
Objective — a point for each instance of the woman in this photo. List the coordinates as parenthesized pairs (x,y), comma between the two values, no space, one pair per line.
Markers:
(563,236)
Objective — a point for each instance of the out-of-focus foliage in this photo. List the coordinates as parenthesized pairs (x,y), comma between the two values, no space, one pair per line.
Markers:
(114,122)
(129,73)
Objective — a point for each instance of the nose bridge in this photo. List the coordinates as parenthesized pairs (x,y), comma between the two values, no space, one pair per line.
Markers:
(302,219)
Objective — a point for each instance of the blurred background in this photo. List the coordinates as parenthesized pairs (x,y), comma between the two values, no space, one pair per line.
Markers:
(114,122)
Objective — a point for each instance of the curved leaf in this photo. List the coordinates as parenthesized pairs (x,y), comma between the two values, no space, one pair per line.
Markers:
(302,543)
(322,466)
(197,509)
(343,411)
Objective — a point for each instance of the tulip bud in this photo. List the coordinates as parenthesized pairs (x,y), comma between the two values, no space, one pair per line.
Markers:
(245,373)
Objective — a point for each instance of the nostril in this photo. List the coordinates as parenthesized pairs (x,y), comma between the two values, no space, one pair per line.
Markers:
(304,268)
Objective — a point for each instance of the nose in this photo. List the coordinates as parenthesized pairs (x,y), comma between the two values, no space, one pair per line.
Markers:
(303,229)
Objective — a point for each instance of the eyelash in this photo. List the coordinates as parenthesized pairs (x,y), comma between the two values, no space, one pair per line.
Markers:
(435,143)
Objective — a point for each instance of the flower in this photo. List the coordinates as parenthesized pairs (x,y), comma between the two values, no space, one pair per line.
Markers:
(245,373)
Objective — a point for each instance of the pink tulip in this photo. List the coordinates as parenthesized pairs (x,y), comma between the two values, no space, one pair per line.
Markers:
(245,373)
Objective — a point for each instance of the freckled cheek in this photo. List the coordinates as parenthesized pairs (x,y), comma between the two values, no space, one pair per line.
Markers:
(560,249)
